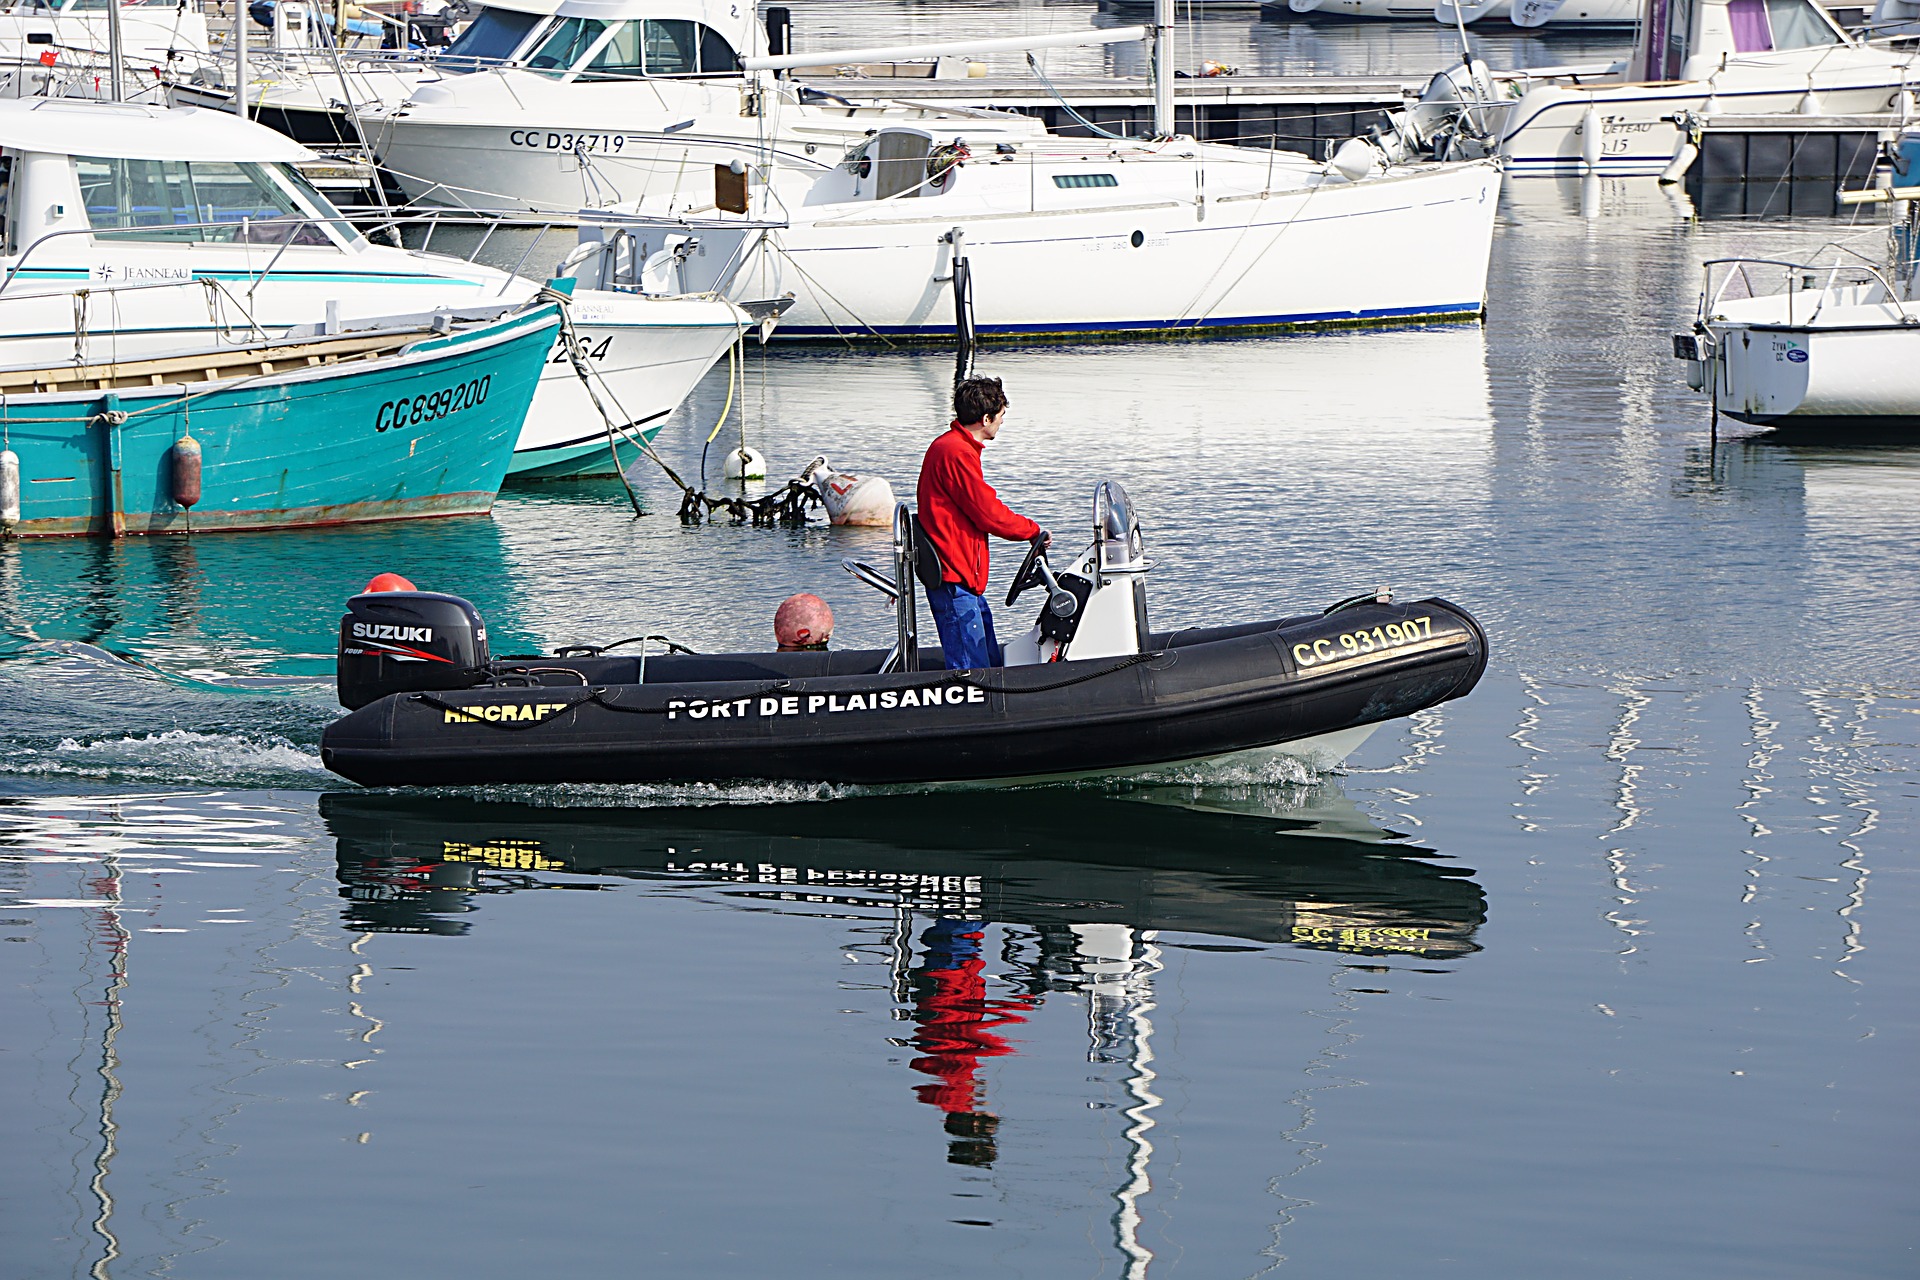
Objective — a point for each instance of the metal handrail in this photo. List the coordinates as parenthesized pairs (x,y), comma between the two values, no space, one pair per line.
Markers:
(1711,297)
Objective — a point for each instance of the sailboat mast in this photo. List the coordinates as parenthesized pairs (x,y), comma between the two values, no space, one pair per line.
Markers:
(116,63)
(240,71)
(1163,68)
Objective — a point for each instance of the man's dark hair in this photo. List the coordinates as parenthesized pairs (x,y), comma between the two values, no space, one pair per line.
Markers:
(978,399)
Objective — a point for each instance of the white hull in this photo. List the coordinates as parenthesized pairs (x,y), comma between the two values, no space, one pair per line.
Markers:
(1544,131)
(513,140)
(1409,245)
(1483,17)
(1852,365)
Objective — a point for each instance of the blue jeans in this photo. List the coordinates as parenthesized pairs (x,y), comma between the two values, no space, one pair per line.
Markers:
(966,627)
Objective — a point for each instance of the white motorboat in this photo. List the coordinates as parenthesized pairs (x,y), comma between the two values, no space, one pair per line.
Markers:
(1525,13)
(911,236)
(133,230)
(60,47)
(1744,57)
(1835,351)
(619,100)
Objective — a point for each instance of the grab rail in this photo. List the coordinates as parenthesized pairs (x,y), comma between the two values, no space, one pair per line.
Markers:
(1711,298)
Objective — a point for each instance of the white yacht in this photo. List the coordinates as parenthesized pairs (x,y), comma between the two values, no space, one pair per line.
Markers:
(916,234)
(608,101)
(1818,348)
(1742,57)
(134,230)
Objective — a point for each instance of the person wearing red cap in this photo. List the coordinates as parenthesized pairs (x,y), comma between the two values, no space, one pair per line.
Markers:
(958,509)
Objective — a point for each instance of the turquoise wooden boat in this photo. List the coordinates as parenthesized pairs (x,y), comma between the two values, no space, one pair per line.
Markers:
(394,421)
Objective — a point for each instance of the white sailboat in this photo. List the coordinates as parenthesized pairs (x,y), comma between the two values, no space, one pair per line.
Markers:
(1071,236)
(135,230)
(60,48)
(1836,351)
(916,234)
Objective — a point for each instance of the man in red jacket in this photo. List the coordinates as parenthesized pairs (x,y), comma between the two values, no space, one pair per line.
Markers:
(958,509)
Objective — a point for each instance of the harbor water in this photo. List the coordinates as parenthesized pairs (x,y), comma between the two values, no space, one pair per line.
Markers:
(1599,972)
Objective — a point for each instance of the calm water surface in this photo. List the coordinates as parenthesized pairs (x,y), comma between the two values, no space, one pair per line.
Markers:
(1599,972)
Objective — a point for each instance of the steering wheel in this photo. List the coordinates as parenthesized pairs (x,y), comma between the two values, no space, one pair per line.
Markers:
(1029,574)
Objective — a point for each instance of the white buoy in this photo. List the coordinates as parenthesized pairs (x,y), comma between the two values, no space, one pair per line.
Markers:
(849,498)
(745,464)
(1590,139)
(9,490)
(1811,105)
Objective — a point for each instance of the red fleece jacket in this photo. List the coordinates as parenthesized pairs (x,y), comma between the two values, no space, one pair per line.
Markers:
(958,509)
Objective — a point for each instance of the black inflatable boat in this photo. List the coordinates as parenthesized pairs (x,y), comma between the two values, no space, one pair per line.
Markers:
(1088,691)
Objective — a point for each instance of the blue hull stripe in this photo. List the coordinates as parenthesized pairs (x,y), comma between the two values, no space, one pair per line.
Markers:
(1139,326)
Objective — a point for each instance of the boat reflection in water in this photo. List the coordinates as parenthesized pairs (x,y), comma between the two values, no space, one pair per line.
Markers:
(1085,883)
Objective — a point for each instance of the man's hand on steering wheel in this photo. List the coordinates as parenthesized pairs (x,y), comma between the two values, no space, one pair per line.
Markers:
(1029,574)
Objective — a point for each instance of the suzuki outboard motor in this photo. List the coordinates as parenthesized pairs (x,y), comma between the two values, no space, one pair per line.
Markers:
(408,642)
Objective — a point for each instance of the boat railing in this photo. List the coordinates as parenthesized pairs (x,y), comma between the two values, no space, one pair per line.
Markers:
(1820,280)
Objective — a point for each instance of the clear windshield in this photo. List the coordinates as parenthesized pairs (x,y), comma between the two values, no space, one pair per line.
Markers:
(568,44)
(205,201)
(490,38)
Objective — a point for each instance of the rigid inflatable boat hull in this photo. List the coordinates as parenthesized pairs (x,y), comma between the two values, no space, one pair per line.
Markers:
(830,717)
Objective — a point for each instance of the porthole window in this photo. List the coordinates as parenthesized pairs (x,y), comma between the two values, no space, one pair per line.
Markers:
(1137,239)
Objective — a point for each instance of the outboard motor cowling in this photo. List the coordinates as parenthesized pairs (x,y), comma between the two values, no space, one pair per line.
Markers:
(408,642)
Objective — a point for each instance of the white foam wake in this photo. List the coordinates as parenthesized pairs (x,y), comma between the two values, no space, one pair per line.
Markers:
(179,756)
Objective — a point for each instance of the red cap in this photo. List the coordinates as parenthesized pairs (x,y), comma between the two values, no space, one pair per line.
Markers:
(390,582)
(803,619)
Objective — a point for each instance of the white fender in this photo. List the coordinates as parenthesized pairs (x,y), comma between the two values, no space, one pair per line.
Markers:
(1355,159)
(1590,139)
(1303,6)
(849,498)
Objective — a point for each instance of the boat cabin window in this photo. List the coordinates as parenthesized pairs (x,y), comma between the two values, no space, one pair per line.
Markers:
(208,201)
(1070,181)
(1761,25)
(492,37)
(677,47)
(568,43)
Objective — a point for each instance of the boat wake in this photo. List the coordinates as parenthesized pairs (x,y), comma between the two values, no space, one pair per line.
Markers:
(175,756)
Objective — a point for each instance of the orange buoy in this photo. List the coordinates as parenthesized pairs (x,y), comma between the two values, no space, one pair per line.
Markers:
(803,622)
(389,582)
(186,472)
